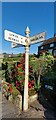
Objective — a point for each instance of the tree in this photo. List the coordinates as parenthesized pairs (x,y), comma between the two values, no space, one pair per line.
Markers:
(41,66)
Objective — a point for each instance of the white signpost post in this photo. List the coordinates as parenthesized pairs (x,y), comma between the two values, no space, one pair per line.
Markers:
(18,40)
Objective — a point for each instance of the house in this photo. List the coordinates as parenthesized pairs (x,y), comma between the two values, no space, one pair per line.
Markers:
(1,56)
(7,55)
(48,45)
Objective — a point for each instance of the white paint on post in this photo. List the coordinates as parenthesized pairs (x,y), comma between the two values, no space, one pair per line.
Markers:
(26,78)
(25,107)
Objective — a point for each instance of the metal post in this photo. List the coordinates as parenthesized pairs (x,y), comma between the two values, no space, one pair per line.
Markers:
(25,107)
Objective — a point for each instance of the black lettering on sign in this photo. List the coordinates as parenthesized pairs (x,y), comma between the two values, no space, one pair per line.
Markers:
(9,38)
(40,37)
(10,34)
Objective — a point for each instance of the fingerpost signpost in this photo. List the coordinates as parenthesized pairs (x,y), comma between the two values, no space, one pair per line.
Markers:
(17,41)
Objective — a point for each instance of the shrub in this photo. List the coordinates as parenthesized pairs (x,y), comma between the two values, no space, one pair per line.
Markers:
(15,92)
(18,75)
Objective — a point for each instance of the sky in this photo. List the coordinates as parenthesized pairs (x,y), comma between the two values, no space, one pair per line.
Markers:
(55,17)
(28,0)
(38,16)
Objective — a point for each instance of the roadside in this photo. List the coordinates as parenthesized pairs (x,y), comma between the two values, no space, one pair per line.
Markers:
(36,110)
(9,110)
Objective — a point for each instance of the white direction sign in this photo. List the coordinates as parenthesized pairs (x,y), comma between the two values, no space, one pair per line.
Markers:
(18,40)
(38,38)
(15,38)
(14,45)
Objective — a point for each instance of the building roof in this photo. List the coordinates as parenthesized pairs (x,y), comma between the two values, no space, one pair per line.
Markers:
(51,40)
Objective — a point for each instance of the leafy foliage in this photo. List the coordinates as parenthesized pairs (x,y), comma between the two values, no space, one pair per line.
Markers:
(41,66)
(18,75)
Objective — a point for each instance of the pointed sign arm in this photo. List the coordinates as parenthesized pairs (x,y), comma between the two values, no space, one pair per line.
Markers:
(13,37)
(38,38)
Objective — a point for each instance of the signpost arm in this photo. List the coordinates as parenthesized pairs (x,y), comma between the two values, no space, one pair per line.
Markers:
(25,107)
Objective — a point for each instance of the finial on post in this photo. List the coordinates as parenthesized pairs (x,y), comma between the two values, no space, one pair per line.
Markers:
(27,31)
